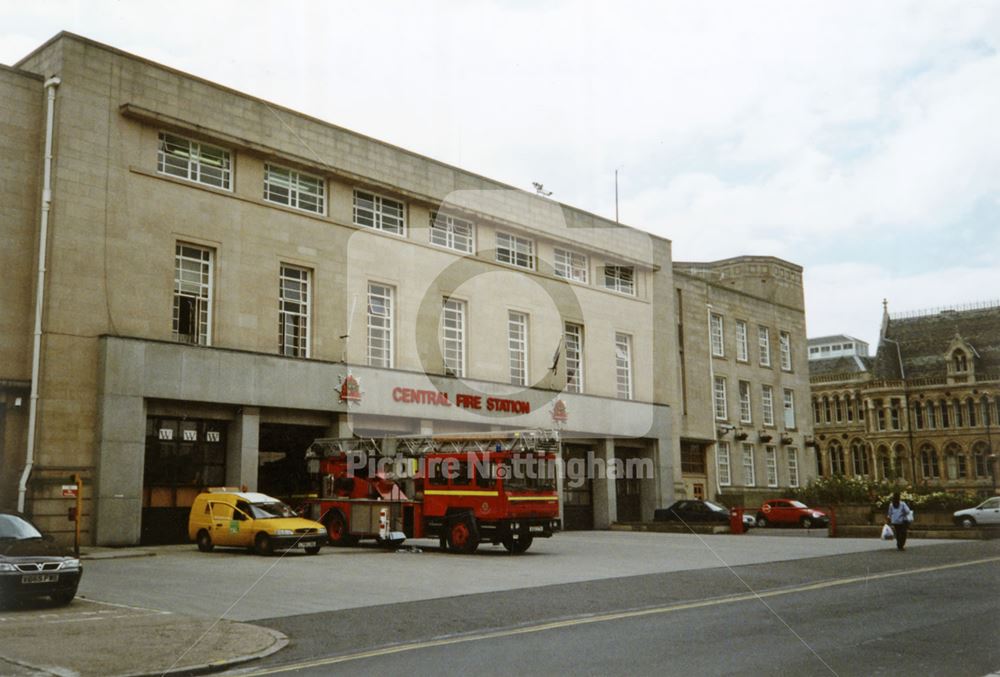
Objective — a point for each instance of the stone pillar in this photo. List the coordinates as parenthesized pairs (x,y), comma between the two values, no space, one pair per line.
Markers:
(121,456)
(657,491)
(243,449)
(605,497)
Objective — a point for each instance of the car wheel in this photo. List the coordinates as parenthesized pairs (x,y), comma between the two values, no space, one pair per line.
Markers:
(761,521)
(312,549)
(967,522)
(518,544)
(63,598)
(205,541)
(262,544)
(462,536)
(806,522)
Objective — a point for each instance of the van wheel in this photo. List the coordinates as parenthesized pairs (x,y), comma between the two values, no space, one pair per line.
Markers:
(262,544)
(205,541)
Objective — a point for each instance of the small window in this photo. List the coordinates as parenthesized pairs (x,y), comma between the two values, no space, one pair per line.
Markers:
(574,357)
(517,251)
(194,161)
(789,409)
(192,316)
(380,325)
(749,471)
(453,337)
(620,279)
(715,322)
(294,189)
(517,347)
(785,347)
(293,311)
(793,467)
(623,366)
(771,462)
(764,344)
(767,404)
(379,213)
(722,461)
(742,352)
(571,265)
(451,232)
(721,408)
(746,414)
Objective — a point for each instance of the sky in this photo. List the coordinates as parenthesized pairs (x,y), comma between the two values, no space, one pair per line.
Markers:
(859,140)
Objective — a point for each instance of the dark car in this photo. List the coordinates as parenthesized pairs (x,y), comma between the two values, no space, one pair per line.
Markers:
(32,565)
(697,512)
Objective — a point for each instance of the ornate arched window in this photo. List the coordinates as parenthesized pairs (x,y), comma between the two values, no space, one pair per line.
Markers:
(884,463)
(954,461)
(899,462)
(817,412)
(959,360)
(944,414)
(836,454)
(959,413)
(837,411)
(981,459)
(859,459)
(929,463)
(987,417)
(970,406)
(931,420)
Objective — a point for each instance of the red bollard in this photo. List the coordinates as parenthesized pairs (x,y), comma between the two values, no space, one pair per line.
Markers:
(736,520)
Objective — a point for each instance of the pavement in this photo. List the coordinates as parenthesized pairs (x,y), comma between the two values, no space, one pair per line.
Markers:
(167,609)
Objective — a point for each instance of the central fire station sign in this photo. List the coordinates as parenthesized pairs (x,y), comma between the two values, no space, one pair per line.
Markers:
(462,400)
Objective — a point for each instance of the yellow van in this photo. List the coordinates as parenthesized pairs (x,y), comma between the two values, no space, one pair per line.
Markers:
(243,519)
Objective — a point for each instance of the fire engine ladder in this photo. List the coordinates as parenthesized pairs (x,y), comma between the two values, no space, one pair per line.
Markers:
(418,445)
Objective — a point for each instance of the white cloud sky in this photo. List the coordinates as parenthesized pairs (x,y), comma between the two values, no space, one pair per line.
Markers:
(857,139)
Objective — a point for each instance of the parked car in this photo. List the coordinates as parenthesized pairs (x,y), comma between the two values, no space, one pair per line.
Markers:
(787,511)
(33,565)
(242,519)
(698,512)
(987,512)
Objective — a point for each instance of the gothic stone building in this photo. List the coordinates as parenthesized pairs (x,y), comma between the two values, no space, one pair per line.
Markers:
(923,410)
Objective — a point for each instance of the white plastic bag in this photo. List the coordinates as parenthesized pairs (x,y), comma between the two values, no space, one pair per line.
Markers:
(909,516)
(887,533)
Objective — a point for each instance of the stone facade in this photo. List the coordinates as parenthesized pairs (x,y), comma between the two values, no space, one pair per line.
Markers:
(923,410)
(725,380)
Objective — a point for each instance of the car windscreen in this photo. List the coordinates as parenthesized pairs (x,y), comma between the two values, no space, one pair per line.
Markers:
(715,507)
(13,527)
(261,511)
(798,504)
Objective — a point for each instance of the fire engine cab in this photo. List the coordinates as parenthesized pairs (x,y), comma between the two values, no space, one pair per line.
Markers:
(463,489)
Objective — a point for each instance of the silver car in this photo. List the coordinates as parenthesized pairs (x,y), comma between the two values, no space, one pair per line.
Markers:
(987,512)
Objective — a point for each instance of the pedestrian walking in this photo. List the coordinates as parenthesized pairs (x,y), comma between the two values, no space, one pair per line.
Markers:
(899,516)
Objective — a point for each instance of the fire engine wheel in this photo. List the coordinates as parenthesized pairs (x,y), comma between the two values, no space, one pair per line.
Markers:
(462,537)
(336,529)
(262,544)
(517,544)
(205,541)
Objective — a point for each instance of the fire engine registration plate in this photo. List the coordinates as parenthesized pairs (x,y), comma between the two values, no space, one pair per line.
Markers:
(538,529)
(40,578)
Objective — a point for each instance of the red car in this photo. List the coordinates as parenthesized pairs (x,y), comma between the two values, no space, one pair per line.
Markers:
(778,511)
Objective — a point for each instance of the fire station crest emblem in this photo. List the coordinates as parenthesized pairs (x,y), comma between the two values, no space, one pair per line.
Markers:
(559,412)
(350,389)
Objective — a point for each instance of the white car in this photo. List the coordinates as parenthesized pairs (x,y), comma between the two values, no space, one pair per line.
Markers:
(987,512)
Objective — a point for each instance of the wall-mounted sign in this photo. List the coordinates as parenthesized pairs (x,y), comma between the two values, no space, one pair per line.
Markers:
(166,434)
(212,436)
(559,412)
(190,435)
(462,400)
(69,490)
(350,389)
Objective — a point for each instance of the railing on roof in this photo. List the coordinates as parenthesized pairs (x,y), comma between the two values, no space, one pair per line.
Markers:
(924,312)
(847,376)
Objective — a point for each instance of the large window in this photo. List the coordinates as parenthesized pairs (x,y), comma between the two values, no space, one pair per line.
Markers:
(380,325)
(194,161)
(767,404)
(517,251)
(453,337)
(517,347)
(715,322)
(722,461)
(793,467)
(692,459)
(623,365)
(771,464)
(192,317)
(764,345)
(859,458)
(571,265)
(574,358)
(620,279)
(749,472)
(293,311)
(746,414)
(929,462)
(295,189)
(742,351)
(785,347)
(451,232)
(380,213)
(836,453)
(721,408)
(789,408)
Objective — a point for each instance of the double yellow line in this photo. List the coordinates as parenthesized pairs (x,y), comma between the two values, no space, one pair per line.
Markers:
(604,618)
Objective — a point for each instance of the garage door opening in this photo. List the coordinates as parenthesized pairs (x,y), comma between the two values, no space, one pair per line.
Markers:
(281,470)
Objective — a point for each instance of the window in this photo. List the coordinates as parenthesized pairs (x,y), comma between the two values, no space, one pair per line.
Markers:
(789,410)
(817,411)
(749,476)
(929,462)
(746,415)
(793,467)
(453,337)
(722,461)
(380,325)
(764,343)
(451,232)
(836,452)
(571,265)
(859,458)
(380,213)
(574,357)
(620,279)
(692,459)
(517,251)
(293,311)
(894,414)
(785,347)
(931,422)
(971,406)
(767,403)
(980,460)
(742,352)
(721,410)
(771,461)
(292,188)
(623,365)
(192,317)
(918,416)
(517,347)
(838,410)
(715,322)
(961,363)
(193,161)
(944,414)
(958,414)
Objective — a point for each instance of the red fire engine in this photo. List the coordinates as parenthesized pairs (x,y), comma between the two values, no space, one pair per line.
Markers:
(462,489)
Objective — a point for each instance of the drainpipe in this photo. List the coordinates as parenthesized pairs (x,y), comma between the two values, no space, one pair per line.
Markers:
(29,459)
